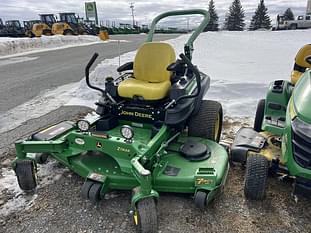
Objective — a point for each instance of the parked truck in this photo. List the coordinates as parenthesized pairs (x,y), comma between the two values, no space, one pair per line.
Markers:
(301,22)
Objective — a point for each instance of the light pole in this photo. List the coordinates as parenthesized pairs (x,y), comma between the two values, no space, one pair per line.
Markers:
(309,7)
(132,8)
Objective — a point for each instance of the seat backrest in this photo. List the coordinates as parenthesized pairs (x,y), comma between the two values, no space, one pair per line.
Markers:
(302,62)
(151,61)
(303,56)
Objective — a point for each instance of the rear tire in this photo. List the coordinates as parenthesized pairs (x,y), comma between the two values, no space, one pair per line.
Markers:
(207,123)
(260,113)
(145,216)
(26,175)
(256,176)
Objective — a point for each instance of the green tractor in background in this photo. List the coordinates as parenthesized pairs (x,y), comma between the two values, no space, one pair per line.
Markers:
(280,141)
(152,132)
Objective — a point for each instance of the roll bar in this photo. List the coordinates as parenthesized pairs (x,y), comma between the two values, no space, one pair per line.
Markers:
(188,48)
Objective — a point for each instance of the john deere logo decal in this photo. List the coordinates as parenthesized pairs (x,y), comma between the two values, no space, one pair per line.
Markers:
(89,7)
(99,145)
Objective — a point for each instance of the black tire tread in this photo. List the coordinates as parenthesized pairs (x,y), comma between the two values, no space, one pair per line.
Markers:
(256,177)
(26,176)
(147,216)
(203,123)
(94,192)
(86,188)
(200,199)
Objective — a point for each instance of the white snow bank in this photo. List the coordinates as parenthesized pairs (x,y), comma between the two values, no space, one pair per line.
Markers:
(17,199)
(10,46)
(241,64)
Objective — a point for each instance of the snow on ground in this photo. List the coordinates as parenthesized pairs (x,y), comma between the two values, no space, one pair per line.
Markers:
(11,46)
(17,199)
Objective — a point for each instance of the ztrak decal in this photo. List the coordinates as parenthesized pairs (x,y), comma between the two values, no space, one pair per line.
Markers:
(203,181)
(123,149)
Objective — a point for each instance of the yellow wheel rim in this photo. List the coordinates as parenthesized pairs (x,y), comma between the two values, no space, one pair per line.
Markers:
(217,124)
(135,217)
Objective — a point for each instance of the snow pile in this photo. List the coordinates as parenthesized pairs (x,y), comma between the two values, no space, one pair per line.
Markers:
(15,198)
(10,46)
(241,65)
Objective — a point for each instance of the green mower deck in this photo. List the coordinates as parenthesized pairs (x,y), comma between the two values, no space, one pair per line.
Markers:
(112,161)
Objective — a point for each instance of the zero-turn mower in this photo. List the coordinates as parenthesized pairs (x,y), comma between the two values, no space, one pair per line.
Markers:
(152,132)
(280,142)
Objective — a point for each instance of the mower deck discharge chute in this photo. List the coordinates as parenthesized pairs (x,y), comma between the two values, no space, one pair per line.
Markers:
(281,139)
(152,132)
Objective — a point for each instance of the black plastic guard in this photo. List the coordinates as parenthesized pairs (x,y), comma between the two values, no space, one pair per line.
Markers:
(53,132)
(247,139)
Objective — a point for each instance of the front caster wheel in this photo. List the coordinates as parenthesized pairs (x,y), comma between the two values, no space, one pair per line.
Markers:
(26,175)
(41,158)
(91,191)
(200,199)
(145,216)
(256,176)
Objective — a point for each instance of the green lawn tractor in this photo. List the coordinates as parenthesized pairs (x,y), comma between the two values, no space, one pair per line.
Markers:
(152,132)
(280,142)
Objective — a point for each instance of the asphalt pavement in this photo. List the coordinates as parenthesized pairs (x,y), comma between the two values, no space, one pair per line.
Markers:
(22,78)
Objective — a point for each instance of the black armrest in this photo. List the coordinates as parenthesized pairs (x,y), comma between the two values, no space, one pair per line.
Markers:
(126,66)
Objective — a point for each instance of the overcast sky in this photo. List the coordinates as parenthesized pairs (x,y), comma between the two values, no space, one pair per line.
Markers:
(145,10)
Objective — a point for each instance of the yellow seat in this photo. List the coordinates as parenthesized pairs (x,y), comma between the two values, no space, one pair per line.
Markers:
(295,76)
(150,80)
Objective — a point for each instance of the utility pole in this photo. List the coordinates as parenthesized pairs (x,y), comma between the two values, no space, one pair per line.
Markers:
(132,8)
(309,7)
